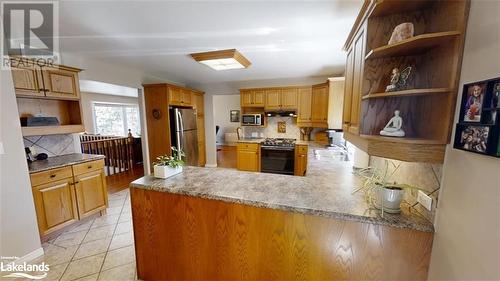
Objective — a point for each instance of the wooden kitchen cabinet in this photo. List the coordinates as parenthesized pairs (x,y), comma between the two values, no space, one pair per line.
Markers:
(357,81)
(179,96)
(252,98)
(27,78)
(198,103)
(289,98)
(200,124)
(346,119)
(304,107)
(319,108)
(91,193)
(65,195)
(259,98)
(248,157)
(55,205)
(273,99)
(61,82)
(300,168)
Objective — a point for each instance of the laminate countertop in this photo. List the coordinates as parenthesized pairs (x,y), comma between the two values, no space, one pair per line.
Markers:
(325,191)
(61,161)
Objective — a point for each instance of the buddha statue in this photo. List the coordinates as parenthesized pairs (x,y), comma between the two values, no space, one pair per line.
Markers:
(393,127)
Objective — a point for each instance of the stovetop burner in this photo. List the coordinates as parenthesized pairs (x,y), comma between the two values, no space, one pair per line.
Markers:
(279,142)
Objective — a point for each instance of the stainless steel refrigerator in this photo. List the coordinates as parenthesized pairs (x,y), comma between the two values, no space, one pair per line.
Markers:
(184,133)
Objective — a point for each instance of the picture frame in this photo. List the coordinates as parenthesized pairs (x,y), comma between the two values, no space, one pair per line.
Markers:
(473,138)
(472,102)
(495,95)
(234,115)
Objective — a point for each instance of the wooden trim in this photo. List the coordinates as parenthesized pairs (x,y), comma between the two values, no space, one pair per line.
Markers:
(407,93)
(222,54)
(52,130)
(414,45)
(358,23)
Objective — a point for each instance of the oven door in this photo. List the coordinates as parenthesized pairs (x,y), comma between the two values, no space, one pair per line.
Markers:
(277,160)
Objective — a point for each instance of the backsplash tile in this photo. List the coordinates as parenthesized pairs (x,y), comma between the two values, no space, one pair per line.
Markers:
(271,131)
(52,145)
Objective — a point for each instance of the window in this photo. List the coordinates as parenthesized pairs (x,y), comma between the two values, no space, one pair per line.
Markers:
(115,119)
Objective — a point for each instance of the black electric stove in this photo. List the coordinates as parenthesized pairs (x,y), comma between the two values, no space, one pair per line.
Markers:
(278,156)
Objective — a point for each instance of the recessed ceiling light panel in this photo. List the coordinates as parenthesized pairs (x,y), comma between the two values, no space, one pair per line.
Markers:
(222,60)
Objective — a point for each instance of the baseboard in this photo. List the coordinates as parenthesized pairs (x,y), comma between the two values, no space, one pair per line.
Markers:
(210,165)
(30,256)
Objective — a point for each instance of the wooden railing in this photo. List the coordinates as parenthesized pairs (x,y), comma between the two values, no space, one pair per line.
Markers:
(119,151)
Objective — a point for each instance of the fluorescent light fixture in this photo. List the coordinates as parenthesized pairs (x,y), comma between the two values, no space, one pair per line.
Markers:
(222,60)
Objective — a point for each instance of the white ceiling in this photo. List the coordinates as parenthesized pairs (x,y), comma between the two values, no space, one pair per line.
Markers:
(282,39)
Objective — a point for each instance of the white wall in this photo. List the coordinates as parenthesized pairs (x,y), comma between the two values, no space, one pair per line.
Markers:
(467,240)
(18,225)
(88,98)
(223,104)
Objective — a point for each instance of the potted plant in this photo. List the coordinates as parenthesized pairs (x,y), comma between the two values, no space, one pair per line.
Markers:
(380,191)
(166,166)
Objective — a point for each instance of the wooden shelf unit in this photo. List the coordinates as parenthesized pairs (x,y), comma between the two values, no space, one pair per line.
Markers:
(427,103)
(415,45)
(407,93)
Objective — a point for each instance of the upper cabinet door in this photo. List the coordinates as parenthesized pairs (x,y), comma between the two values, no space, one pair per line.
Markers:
(320,104)
(349,68)
(187,98)
(359,55)
(61,82)
(273,99)
(246,98)
(305,103)
(289,97)
(174,96)
(27,79)
(259,98)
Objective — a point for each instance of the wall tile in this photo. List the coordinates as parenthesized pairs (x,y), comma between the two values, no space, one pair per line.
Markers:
(271,131)
(53,145)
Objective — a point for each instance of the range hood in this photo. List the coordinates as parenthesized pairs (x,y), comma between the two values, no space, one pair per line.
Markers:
(282,113)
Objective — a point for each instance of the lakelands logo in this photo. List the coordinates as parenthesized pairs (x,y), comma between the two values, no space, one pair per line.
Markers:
(19,270)
(30,29)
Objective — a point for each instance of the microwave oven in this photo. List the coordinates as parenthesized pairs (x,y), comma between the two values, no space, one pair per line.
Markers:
(251,119)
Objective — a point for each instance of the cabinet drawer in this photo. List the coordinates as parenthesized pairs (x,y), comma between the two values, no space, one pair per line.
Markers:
(248,146)
(88,167)
(302,149)
(51,175)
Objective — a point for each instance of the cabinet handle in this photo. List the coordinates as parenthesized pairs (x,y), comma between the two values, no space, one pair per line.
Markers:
(76,182)
(89,167)
(52,176)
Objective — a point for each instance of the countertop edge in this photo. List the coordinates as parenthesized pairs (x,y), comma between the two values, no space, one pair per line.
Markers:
(328,214)
(69,163)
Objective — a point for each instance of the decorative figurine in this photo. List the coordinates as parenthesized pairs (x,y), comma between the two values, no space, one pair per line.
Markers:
(398,79)
(402,32)
(394,126)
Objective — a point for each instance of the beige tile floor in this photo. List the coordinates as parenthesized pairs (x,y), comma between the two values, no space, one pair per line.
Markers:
(101,249)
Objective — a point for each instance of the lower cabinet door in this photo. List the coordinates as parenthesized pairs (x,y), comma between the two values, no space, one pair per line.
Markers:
(91,193)
(55,205)
(248,161)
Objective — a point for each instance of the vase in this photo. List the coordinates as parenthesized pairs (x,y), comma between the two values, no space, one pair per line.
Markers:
(389,197)
(164,172)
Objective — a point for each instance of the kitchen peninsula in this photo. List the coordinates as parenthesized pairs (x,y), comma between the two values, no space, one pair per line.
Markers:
(224,224)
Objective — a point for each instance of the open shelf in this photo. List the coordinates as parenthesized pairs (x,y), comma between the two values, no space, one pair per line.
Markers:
(404,149)
(414,45)
(389,7)
(52,130)
(407,93)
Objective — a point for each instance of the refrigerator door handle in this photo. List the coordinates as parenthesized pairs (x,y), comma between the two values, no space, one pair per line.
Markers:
(180,134)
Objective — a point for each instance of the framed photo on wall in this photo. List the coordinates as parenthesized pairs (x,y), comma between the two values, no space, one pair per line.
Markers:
(472,102)
(473,138)
(234,116)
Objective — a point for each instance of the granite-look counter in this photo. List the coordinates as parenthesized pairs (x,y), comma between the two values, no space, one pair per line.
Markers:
(61,161)
(326,190)
(259,140)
